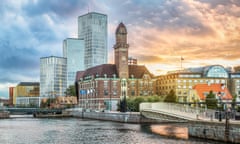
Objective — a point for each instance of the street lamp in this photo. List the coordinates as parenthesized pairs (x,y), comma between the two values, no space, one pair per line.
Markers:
(220,105)
(226,117)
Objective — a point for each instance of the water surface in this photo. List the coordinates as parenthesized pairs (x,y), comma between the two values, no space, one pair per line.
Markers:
(79,131)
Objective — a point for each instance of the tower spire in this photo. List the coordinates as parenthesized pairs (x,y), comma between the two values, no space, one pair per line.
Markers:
(121,51)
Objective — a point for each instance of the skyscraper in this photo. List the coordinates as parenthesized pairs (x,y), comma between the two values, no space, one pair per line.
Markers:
(92,27)
(73,50)
(53,76)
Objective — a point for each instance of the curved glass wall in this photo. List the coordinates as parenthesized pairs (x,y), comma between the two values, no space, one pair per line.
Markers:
(217,71)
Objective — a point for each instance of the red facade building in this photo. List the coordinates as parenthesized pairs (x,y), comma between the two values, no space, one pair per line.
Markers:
(104,86)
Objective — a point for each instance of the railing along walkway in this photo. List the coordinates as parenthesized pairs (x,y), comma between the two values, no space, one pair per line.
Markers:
(181,111)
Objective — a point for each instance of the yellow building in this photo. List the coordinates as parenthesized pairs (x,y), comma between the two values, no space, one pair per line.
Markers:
(26,93)
(182,82)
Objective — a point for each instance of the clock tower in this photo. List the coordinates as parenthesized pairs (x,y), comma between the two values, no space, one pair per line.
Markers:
(121,51)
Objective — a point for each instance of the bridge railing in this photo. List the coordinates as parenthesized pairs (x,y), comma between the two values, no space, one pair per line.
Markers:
(179,109)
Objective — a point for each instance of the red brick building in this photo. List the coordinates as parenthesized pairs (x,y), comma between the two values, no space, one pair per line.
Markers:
(103,86)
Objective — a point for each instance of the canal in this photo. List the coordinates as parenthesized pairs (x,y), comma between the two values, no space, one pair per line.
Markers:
(80,131)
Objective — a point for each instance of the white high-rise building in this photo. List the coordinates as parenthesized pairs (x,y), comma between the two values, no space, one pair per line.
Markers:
(73,50)
(92,27)
(53,76)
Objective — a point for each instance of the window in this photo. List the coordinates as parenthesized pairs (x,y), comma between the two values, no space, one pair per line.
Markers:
(105,92)
(114,83)
(114,92)
(105,84)
(132,93)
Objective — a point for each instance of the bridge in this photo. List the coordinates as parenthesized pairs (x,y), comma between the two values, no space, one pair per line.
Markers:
(175,112)
(22,111)
(200,121)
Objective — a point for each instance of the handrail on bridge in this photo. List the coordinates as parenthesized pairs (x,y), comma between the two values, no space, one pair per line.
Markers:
(178,109)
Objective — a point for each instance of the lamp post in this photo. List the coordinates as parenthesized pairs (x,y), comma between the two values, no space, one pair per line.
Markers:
(227,111)
(220,105)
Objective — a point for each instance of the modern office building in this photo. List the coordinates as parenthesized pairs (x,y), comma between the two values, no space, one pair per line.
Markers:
(53,76)
(92,27)
(73,50)
(104,86)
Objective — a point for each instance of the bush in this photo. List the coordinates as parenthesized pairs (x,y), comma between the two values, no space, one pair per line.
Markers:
(134,102)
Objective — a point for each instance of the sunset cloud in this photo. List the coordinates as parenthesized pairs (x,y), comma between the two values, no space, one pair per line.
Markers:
(160,32)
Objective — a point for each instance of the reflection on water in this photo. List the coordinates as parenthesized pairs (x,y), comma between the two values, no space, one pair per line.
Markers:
(78,131)
(170,131)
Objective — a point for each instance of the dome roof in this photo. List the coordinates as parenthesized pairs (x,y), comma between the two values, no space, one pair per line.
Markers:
(121,29)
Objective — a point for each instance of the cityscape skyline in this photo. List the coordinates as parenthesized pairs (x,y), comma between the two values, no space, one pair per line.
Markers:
(160,32)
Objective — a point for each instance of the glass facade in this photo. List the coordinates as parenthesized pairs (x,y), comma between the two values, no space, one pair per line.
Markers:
(92,27)
(216,71)
(53,76)
(73,50)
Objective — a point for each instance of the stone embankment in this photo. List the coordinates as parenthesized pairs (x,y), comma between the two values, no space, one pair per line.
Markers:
(129,117)
(211,130)
(215,131)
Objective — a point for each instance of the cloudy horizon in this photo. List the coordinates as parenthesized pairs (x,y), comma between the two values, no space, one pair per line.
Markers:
(160,32)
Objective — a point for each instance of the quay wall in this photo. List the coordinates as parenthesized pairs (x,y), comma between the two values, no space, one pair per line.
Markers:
(113,116)
(214,131)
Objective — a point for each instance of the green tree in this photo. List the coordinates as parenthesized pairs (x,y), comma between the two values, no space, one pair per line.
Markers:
(171,97)
(211,100)
(234,100)
(137,102)
(133,103)
(70,91)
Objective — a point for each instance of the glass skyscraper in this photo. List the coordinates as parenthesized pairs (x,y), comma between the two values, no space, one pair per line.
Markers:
(73,50)
(92,27)
(53,76)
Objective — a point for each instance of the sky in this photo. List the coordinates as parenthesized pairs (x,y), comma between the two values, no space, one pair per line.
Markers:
(160,32)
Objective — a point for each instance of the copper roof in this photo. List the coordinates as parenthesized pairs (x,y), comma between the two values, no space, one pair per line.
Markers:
(121,28)
(110,69)
(138,71)
(100,71)
(79,75)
